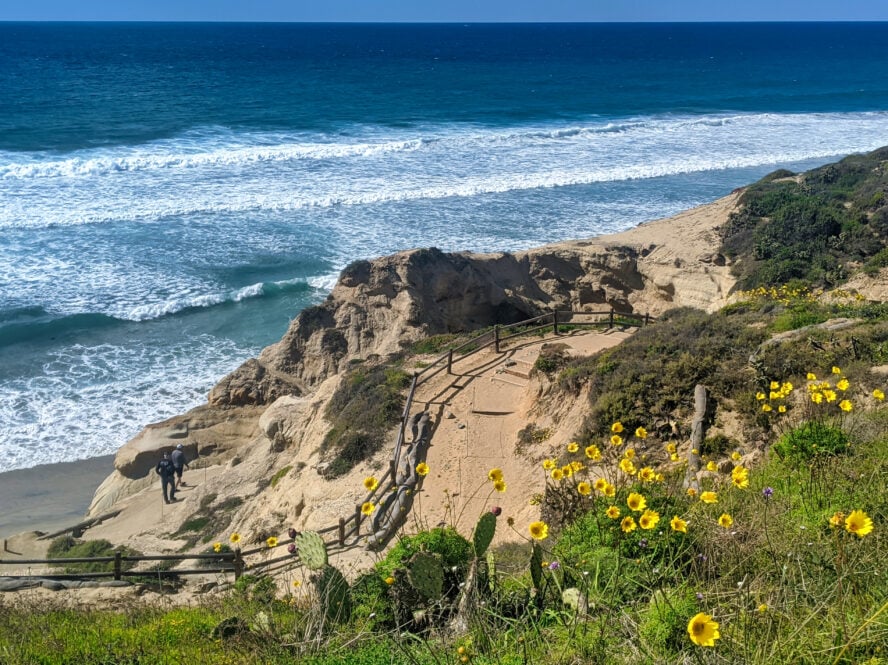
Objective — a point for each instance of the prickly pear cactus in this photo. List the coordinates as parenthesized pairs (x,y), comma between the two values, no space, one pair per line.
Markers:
(426,575)
(484,530)
(536,566)
(312,550)
(491,571)
(333,594)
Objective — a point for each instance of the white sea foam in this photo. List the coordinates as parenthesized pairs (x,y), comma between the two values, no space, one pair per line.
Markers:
(91,400)
(443,162)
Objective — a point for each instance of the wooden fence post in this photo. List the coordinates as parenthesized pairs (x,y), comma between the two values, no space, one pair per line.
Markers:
(117,566)
(496,337)
(238,564)
(647,318)
(610,319)
(358,517)
(342,532)
(450,361)
(555,320)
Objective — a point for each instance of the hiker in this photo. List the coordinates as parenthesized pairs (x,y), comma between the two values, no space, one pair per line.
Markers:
(166,471)
(179,464)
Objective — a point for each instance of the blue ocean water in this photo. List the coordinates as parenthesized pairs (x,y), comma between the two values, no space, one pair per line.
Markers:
(171,195)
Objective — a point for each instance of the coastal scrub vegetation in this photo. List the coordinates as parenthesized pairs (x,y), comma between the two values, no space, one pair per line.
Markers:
(363,409)
(814,227)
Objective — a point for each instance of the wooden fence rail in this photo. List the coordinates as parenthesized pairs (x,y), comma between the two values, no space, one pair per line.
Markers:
(350,527)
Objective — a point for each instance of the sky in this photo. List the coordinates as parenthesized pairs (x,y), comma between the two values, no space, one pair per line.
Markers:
(443,10)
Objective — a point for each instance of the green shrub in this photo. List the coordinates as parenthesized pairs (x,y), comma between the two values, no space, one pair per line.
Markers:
(67,547)
(276,478)
(664,622)
(365,406)
(811,440)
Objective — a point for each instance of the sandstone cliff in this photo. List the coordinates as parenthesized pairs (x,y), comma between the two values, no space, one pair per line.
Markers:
(266,418)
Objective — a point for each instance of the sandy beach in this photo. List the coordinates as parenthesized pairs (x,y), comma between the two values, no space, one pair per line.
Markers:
(50,496)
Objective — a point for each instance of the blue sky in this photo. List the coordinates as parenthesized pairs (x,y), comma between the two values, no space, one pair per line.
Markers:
(443,10)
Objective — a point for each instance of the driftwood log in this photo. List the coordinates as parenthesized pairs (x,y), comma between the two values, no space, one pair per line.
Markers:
(396,506)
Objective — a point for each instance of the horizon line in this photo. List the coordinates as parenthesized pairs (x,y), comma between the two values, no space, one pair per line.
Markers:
(447,22)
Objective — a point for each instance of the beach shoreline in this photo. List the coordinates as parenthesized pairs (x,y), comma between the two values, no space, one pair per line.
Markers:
(49,497)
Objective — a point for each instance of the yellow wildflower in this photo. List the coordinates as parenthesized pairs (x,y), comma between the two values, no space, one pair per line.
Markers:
(567,470)
(678,524)
(703,630)
(627,466)
(557,474)
(641,432)
(674,457)
(577,466)
(649,519)
(617,427)
(760,396)
(217,547)
(370,483)
(271,541)
(811,376)
(610,490)
(499,485)
(709,497)
(878,394)
(711,466)
(736,456)
(616,440)
(845,405)
(817,398)
(495,474)
(573,447)
(858,523)
(781,409)
(843,385)
(628,524)
(235,538)
(584,488)
(836,370)
(774,385)
(613,512)
(422,469)
(593,453)
(600,484)
(636,502)
(548,464)
(539,530)
(629,454)
(837,519)
(766,407)
(647,475)
(367,508)
(692,492)
(671,448)
(725,520)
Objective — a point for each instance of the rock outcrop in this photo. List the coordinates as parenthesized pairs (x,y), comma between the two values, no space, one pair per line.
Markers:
(272,402)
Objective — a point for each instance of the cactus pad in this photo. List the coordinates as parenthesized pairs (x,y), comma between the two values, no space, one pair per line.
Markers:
(312,550)
(426,575)
(333,594)
(484,530)
(536,566)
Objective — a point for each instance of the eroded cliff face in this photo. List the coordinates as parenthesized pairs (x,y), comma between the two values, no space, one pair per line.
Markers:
(380,306)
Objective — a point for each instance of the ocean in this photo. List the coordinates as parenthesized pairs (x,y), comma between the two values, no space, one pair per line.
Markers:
(172,195)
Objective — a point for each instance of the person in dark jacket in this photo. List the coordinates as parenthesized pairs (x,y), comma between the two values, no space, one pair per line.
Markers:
(167,473)
(179,463)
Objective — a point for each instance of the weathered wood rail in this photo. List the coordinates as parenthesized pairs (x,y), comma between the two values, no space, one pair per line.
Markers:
(348,530)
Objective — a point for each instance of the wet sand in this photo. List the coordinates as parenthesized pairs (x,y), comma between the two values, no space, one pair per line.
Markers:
(49,497)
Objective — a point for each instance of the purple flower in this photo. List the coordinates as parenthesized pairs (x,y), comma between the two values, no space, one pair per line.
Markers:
(699,596)
(554,565)
(643,543)
(291,548)
(497,511)
(768,492)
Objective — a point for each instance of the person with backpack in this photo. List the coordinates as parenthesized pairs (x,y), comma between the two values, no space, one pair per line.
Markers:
(167,473)
(179,464)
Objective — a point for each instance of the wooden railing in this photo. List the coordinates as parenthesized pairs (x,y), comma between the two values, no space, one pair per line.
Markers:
(349,528)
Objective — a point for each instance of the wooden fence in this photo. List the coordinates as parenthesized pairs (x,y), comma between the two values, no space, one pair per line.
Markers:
(349,528)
